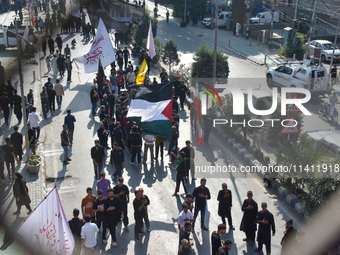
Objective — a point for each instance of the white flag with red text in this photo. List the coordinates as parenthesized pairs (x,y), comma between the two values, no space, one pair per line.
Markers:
(101,47)
(46,229)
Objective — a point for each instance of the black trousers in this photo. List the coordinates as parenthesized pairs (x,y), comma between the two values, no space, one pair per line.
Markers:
(69,75)
(126,62)
(135,151)
(52,105)
(19,207)
(126,219)
(18,113)
(2,168)
(161,149)
(9,165)
(6,113)
(103,220)
(179,179)
(112,227)
(228,215)
(182,99)
(206,134)
(268,246)
(250,233)
(37,130)
(138,226)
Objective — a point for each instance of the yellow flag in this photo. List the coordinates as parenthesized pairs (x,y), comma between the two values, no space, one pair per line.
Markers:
(141,73)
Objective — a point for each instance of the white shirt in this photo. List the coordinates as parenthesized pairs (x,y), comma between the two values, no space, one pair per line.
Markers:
(88,233)
(150,138)
(182,216)
(131,77)
(33,119)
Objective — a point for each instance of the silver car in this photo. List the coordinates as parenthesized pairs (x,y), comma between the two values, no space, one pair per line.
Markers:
(326,50)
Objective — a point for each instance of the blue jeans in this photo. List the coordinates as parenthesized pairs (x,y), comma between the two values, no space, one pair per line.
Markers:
(119,170)
(94,108)
(59,100)
(197,209)
(65,153)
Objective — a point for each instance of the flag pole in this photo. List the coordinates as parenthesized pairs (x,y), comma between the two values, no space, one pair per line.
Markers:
(78,70)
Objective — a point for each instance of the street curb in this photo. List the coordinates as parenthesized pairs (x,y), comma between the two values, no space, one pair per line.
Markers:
(289,197)
(245,56)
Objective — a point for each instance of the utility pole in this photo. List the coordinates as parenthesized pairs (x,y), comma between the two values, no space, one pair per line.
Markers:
(272,24)
(295,13)
(335,40)
(22,93)
(185,12)
(311,29)
(215,44)
(250,2)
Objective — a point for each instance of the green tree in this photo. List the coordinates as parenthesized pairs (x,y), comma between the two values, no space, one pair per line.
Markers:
(170,56)
(271,134)
(295,45)
(140,32)
(203,63)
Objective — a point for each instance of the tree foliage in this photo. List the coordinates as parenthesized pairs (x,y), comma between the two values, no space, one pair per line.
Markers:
(294,46)
(140,32)
(170,56)
(204,61)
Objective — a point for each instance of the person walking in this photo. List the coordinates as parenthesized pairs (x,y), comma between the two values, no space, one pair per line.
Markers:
(135,139)
(17,102)
(185,216)
(159,144)
(146,216)
(98,157)
(184,247)
(5,101)
(117,160)
(16,141)
(51,98)
(20,192)
(184,233)
(182,90)
(167,16)
(288,238)
(201,195)
(31,138)
(208,124)
(93,97)
(48,63)
(122,191)
(248,223)
(59,42)
(224,250)
(102,134)
(9,157)
(266,222)
(114,213)
(224,205)
(334,74)
(118,136)
(103,184)
(75,225)
(126,54)
(69,68)
(34,120)
(148,145)
(216,242)
(87,205)
(130,77)
(65,143)
(69,122)
(189,159)
(181,172)
(50,43)
(59,90)
(61,61)
(54,63)
(139,213)
(99,209)
(43,46)
(44,102)
(238,28)
(88,236)
(2,166)
(67,51)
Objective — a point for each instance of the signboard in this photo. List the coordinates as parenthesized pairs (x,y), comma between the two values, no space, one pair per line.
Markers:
(289,128)
(292,108)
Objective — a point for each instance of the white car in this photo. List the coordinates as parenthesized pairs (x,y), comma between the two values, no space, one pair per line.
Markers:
(326,50)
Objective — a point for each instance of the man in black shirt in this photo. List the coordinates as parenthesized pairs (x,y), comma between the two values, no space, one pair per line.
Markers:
(93,96)
(189,159)
(182,89)
(189,199)
(181,172)
(136,143)
(98,208)
(148,61)
(51,98)
(248,223)
(184,233)
(17,105)
(224,206)
(114,213)
(223,250)
(98,157)
(184,248)
(112,100)
(176,85)
(75,225)
(16,141)
(216,239)
(117,160)
(48,83)
(163,74)
(333,75)
(122,191)
(201,194)
(31,138)
(126,54)
(118,135)
(146,216)
(9,157)
(139,208)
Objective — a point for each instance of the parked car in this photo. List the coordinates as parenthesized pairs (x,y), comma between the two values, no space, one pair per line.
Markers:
(326,50)
(221,20)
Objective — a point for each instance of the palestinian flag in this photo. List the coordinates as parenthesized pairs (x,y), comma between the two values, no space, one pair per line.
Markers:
(151,108)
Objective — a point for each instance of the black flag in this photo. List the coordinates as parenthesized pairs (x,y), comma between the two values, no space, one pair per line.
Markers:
(100,77)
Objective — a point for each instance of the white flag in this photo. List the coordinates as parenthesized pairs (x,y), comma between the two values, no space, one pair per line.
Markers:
(46,229)
(150,44)
(101,47)
(74,8)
